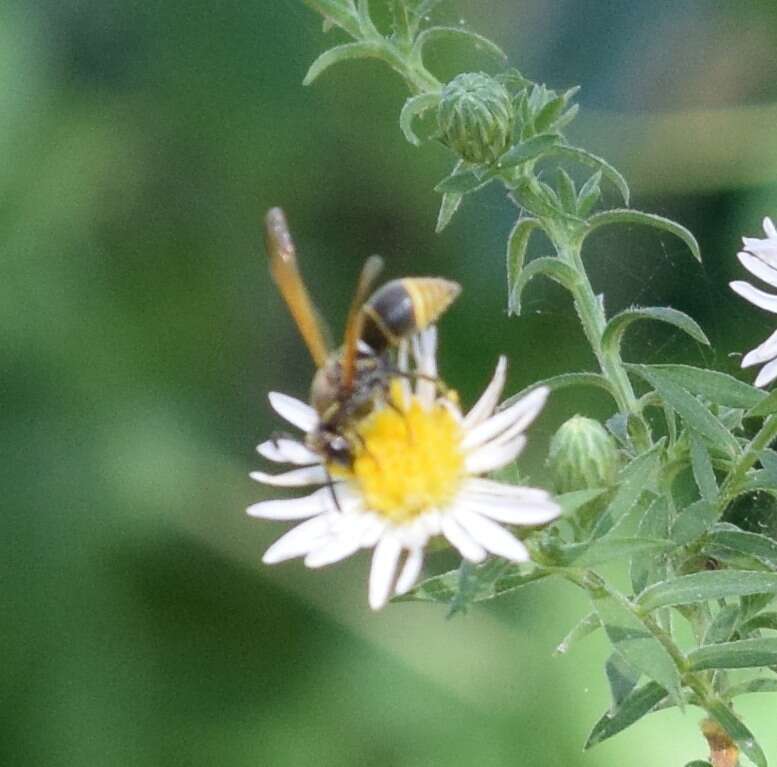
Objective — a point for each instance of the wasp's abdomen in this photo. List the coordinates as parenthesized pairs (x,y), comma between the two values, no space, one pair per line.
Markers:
(403,307)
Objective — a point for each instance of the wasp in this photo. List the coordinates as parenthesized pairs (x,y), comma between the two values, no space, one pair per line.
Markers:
(351,381)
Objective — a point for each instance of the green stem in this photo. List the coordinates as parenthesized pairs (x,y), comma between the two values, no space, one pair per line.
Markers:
(762,439)
(591,313)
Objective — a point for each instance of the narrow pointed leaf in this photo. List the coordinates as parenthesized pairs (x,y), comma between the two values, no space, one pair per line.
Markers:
(448,207)
(609,549)
(702,586)
(528,150)
(633,480)
(766,406)
(694,521)
(634,706)
(755,545)
(703,474)
(462,181)
(628,216)
(567,192)
(647,567)
(414,107)
(746,653)
(337,12)
(589,195)
(712,385)
(340,53)
(613,333)
(621,676)
(517,243)
(563,381)
(759,622)
(693,412)
(722,626)
(549,266)
(597,163)
(480,43)
(580,630)
(571,502)
(634,640)
(752,685)
(731,723)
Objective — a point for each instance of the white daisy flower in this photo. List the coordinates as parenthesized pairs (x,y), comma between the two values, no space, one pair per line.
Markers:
(415,475)
(760,259)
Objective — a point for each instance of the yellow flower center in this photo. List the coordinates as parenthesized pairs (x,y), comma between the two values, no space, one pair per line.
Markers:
(408,457)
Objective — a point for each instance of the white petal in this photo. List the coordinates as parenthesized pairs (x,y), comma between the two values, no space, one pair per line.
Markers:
(295,411)
(513,511)
(383,570)
(771,232)
(766,249)
(494,456)
(767,375)
(759,268)
(340,546)
(763,300)
(763,353)
(424,350)
(296,508)
(374,527)
(491,536)
(492,487)
(410,571)
(300,539)
(489,398)
(515,418)
(287,451)
(307,475)
(459,538)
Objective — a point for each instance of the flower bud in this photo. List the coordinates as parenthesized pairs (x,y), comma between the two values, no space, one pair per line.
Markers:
(582,455)
(475,116)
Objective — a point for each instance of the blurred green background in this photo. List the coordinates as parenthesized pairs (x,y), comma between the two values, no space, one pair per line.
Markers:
(140,334)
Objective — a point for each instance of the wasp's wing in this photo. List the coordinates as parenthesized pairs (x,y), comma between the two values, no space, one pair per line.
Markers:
(355,322)
(285,272)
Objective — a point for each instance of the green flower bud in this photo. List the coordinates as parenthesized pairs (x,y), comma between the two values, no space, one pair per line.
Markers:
(582,455)
(476,116)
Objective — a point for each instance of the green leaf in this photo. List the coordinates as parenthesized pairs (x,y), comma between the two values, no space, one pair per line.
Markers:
(621,676)
(693,412)
(694,521)
(589,195)
(646,568)
(759,622)
(634,640)
(634,706)
(562,381)
(633,480)
(448,207)
(745,653)
(549,266)
(737,731)
(766,406)
(613,333)
(567,192)
(722,626)
(628,216)
(755,545)
(702,586)
(337,12)
(548,116)
(607,549)
(517,243)
(491,579)
(360,50)
(712,385)
(752,685)
(597,163)
(527,150)
(703,474)
(414,107)
(481,43)
(571,502)
(462,181)
(580,630)
(698,763)
(539,199)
